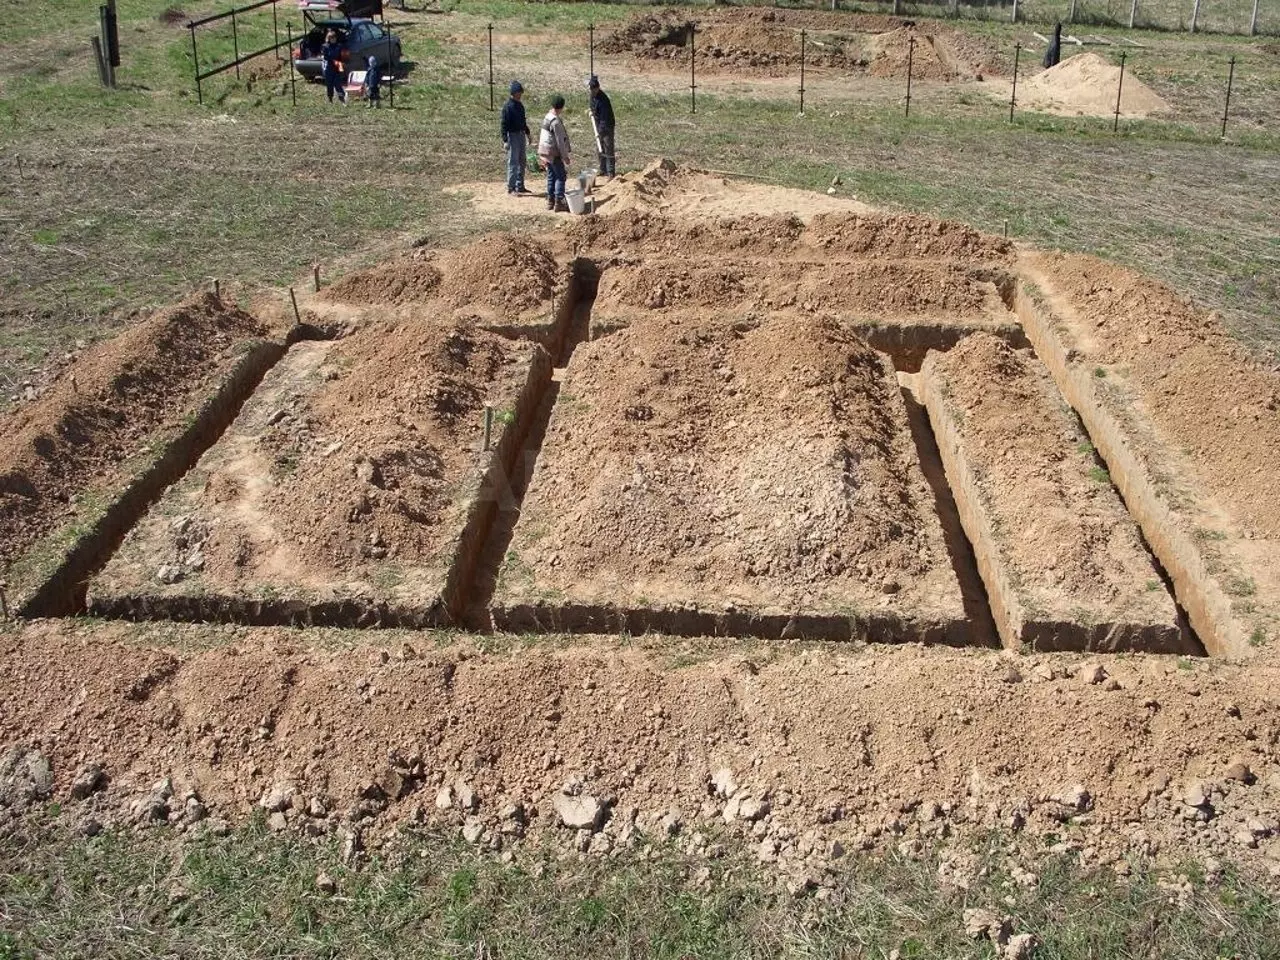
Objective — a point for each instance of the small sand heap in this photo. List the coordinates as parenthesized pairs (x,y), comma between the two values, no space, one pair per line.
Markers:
(1085,85)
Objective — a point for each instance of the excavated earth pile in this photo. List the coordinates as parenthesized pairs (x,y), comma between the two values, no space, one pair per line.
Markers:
(1187,423)
(754,476)
(351,489)
(768,42)
(1063,562)
(111,420)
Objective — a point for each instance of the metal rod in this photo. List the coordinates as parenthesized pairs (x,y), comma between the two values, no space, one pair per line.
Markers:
(1253,21)
(217,288)
(244,59)
(1013,97)
(488,426)
(911,50)
(802,44)
(1195,15)
(1119,89)
(1015,11)
(226,13)
(195,60)
(1115,126)
(99,57)
(693,70)
(491,106)
(1133,13)
(4,601)
(235,42)
(1231,75)
(297,315)
(315,276)
(293,75)
(275,31)
(391,87)
(591,45)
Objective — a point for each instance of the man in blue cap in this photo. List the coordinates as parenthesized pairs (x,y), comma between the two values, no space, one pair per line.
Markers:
(515,134)
(602,118)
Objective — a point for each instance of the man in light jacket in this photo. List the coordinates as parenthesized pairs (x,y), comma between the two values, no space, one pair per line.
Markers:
(553,150)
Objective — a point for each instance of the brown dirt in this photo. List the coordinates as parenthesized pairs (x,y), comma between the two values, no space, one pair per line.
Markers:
(1061,537)
(878,748)
(105,408)
(1203,391)
(930,57)
(880,288)
(760,463)
(905,236)
(503,273)
(346,471)
(1086,85)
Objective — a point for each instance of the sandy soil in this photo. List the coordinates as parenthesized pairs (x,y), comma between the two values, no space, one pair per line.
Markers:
(1064,562)
(762,464)
(345,477)
(105,409)
(1084,85)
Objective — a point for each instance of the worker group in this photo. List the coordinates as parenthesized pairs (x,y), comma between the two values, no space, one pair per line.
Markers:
(554,153)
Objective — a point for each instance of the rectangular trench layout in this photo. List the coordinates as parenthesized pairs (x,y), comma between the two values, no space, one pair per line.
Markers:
(727,449)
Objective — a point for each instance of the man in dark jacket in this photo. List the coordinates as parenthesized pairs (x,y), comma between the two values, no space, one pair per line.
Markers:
(1053,56)
(515,134)
(602,118)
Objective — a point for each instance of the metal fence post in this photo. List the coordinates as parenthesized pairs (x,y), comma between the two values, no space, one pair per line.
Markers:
(1119,89)
(491,106)
(293,76)
(1253,20)
(195,59)
(1231,75)
(1013,97)
(1195,15)
(802,44)
(911,50)
(1133,13)
(693,74)
(235,42)
(591,46)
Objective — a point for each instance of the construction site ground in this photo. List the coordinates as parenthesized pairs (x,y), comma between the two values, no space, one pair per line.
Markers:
(849,578)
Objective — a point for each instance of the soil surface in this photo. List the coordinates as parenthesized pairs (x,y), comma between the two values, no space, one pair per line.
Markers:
(500,277)
(345,476)
(107,408)
(786,748)
(1062,547)
(764,464)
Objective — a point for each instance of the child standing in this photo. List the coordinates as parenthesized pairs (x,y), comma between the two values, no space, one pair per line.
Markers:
(373,84)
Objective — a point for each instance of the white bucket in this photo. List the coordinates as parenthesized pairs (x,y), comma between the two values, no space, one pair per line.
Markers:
(577,202)
(588,179)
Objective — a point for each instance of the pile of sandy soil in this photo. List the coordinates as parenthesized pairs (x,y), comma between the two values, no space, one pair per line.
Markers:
(869,288)
(892,749)
(1200,388)
(1086,85)
(904,236)
(504,272)
(1066,537)
(767,463)
(105,408)
(930,57)
(405,406)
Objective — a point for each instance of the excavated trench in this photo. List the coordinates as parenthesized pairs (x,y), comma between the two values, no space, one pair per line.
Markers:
(468,597)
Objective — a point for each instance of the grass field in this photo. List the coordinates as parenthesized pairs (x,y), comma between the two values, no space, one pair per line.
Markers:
(254,894)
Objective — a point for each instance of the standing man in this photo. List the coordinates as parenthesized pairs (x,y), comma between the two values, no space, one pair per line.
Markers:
(553,149)
(515,134)
(602,118)
(334,72)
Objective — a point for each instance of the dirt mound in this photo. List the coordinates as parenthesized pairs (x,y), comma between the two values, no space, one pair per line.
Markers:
(867,288)
(904,236)
(507,273)
(765,463)
(930,57)
(877,748)
(1055,533)
(638,232)
(105,408)
(405,409)
(1086,85)
(1204,392)
(725,41)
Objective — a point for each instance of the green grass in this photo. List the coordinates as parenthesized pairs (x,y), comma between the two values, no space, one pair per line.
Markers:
(1099,474)
(253,894)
